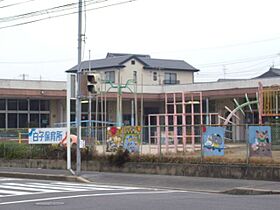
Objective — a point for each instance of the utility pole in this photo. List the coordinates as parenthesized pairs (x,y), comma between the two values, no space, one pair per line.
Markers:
(78,99)
(89,103)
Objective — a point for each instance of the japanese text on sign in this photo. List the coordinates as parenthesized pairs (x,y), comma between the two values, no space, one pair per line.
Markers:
(46,135)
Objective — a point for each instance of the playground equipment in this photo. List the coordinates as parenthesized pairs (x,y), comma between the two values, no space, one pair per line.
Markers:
(269,102)
(180,125)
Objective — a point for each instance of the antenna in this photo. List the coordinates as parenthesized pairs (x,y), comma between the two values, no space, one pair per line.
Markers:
(23,76)
(224,71)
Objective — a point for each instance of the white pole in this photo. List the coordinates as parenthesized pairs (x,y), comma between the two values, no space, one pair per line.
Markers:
(68,121)
(78,99)
(132,113)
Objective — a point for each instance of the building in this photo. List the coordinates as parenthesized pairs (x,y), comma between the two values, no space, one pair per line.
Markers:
(141,68)
(25,103)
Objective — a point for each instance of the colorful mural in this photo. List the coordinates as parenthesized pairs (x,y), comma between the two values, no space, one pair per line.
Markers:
(114,139)
(213,141)
(132,138)
(260,141)
(127,137)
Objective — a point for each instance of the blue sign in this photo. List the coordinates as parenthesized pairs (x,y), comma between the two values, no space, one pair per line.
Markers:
(260,141)
(213,141)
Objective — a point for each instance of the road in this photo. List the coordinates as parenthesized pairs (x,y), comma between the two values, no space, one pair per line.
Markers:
(30,194)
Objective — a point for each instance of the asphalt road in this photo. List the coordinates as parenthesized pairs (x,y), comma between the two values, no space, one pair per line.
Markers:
(21,194)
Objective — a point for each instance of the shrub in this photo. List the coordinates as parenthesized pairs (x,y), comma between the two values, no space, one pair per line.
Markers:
(13,150)
(119,158)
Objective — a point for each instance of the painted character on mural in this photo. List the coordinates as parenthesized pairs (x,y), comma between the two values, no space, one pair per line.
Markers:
(260,141)
(214,142)
(114,140)
(131,143)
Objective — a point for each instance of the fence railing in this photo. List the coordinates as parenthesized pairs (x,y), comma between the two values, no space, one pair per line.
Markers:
(166,141)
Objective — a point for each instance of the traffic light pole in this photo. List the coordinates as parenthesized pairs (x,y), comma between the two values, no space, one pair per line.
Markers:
(78,98)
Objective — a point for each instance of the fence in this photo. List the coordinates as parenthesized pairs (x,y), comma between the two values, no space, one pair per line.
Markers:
(169,141)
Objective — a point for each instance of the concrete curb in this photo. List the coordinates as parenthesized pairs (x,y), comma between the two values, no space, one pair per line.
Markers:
(44,177)
(250,191)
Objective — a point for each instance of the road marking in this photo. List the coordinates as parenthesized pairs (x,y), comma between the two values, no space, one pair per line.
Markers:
(101,186)
(9,179)
(90,195)
(10,186)
(14,189)
(12,192)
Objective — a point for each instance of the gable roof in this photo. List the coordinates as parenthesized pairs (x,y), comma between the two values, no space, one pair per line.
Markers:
(117,60)
(272,72)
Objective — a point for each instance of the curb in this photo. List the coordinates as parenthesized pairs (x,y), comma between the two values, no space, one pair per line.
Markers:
(250,191)
(44,177)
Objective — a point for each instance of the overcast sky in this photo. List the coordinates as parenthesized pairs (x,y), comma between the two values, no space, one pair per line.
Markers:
(222,38)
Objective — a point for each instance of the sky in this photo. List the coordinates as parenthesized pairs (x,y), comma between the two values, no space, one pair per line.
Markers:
(231,39)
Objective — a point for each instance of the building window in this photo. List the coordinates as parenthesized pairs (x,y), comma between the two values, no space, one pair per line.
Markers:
(45,120)
(2,104)
(34,105)
(44,105)
(132,62)
(23,104)
(12,120)
(12,104)
(2,120)
(170,78)
(34,121)
(23,113)
(155,76)
(110,76)
(135,76)
(23,121)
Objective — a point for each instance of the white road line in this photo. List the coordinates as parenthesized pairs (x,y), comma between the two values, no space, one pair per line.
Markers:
(13,192)
(13,189)
(69,187)
(9,179)
(25,188)
(42,187)
(89,195)
(111,187)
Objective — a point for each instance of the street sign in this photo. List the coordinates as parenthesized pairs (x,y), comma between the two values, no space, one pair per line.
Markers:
(46,135)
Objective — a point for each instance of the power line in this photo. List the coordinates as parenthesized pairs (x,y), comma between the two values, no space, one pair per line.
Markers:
(35,62)
(46,12)
(238,61)
(15,4)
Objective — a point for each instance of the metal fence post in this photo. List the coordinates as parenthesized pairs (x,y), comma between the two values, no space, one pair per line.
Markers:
(247,144)
(201,144)
(160,142)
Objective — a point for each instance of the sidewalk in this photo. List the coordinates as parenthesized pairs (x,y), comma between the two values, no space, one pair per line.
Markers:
(200,184)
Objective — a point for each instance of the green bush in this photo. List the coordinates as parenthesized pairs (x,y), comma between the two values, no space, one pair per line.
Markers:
(119,158)
(14,150)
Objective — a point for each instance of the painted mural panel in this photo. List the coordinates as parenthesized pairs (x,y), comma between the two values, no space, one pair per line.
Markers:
(114,139)
(260,141)
(127,137)
(213,141)
(132,138)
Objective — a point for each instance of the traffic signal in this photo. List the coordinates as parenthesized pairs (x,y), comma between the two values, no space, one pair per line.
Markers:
(93,83)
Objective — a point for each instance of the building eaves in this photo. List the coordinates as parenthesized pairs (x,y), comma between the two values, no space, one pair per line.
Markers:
(117,60)
(165,64)
(111,62)
(110,55)
(272,72)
